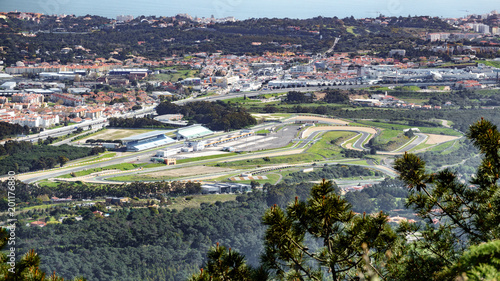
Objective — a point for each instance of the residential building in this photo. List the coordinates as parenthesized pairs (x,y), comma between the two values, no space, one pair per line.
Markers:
(27,98)
(304,68)
(67,99)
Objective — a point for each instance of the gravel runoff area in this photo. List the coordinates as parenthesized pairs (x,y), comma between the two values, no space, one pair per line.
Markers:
(436,139)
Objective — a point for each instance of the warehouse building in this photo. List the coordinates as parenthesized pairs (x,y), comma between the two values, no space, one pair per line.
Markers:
(192,132)
(147,141)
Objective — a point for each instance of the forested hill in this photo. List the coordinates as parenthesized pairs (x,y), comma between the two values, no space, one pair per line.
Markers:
(100,36)
(151,244)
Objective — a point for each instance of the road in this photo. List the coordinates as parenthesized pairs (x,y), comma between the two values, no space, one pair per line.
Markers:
(129,158)
(86,125)
(305,89)
(142,112)
(359,143)
(421,138)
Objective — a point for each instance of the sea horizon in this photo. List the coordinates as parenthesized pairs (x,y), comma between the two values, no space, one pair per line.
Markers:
(242,10)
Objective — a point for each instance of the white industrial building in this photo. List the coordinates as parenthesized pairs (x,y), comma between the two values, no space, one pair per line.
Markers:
(303,68)
(8,86)
(167,153)
(192,132)
(287,83)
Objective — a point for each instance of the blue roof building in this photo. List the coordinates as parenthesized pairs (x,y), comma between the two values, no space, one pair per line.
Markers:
(147,140)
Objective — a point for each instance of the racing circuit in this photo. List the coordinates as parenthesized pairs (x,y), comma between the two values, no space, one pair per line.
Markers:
(287,137)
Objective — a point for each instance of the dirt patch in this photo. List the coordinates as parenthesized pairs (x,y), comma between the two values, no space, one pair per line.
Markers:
(436,139)
(266,116)
(188,171)
(353,97)
(311,130)
(320,95)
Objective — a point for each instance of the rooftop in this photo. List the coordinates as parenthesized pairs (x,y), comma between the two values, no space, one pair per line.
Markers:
(194,131)
(153,144)
(146,135)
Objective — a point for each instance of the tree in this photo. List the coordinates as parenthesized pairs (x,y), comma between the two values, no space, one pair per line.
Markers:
(343,236)
(228,265)
(481,262)
(458,215)
(27,268)
(62,160)
(386,202)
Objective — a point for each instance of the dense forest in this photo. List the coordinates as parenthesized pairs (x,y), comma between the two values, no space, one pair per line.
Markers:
(215,115)
(136,123)
(24,156)
(157,244)
(315,35)
(8,129)
(150,244)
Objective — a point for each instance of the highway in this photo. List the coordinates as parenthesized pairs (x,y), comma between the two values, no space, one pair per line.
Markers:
(86,125)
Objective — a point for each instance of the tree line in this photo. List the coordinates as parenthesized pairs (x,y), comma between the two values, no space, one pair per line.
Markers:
(8,130)
(332,172)
(137,123)
(24,156)
(215,115)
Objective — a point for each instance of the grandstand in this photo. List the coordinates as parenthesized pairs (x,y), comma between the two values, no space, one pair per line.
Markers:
(147,140)
(192,132)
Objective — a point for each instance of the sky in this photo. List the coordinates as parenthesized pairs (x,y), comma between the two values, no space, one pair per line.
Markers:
(244,9)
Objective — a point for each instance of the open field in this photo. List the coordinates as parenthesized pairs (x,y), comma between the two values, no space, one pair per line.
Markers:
(116,167)
(115,134)
(329,144)
(285,157)
(174,77)
(188,171)
(398,126)
(272,178)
